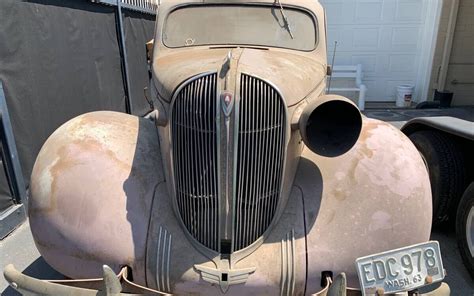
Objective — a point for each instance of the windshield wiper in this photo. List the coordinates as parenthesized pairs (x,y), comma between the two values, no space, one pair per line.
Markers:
(285,19)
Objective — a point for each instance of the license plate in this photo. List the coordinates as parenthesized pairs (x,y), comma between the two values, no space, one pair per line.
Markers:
(402,269)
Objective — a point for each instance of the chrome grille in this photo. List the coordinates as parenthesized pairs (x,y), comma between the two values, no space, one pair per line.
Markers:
(260,155)
(195,162)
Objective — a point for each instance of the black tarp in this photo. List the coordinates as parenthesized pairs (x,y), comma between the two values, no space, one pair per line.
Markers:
(139,29)
(5,192)
(59,59)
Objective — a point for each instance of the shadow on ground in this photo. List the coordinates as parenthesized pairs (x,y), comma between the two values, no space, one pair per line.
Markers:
(38,269)
(457,276)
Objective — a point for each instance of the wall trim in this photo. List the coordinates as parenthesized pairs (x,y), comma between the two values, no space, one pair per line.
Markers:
(427,53)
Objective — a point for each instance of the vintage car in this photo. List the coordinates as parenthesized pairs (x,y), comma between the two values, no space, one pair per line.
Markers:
(245,179)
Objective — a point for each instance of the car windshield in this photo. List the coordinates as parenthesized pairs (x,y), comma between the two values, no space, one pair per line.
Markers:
(257,25)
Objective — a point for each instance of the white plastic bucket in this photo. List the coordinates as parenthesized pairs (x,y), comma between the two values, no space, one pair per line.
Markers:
(404,95)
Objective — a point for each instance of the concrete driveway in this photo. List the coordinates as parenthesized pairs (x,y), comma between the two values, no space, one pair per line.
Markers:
(398,117)
(19,249)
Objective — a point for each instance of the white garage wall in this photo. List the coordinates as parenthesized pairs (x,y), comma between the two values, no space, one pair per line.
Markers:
(390,38)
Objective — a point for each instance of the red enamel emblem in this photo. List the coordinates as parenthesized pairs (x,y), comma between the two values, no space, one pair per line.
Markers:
(227,102)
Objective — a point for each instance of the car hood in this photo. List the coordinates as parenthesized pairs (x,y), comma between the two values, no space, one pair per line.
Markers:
(294,74)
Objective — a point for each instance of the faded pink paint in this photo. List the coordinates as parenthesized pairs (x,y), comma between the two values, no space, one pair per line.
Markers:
(91,192)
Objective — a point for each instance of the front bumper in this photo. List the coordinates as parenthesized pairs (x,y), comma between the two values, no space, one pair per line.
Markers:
(110,284)
(114,285)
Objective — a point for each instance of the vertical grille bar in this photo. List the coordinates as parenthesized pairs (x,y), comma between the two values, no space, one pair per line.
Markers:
(194,152)
(260,148)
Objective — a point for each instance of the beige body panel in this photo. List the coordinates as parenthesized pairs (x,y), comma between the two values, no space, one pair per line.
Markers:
(283,68)
(91,191)
(174,67)
(376,197)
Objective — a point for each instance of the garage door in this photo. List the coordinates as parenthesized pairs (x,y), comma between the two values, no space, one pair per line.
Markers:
(388,37)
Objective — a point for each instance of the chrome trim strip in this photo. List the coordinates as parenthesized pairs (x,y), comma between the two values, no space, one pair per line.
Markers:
(163,254)
(469,231)
(220,192)
(284,271)
(293,263)
(234,161)
(288,267)
(157,273)
(168,287)
(163,260)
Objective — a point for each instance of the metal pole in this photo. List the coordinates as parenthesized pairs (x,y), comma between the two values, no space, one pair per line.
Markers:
(123,51)
(332,65)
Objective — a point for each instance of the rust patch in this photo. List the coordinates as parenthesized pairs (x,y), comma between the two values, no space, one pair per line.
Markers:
(64,150)
(368,128)
(339,194)
(94,145)
(73,252)
(125,122)
(352,168)
(68,158)
(396,175)
(369,153)
(330,216)
(72,156)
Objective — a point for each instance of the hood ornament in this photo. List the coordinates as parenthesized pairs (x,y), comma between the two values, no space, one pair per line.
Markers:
(224,277)
(226,64)
(228,58)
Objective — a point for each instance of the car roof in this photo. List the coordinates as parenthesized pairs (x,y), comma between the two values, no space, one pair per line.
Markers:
(302,3)
(283,2)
